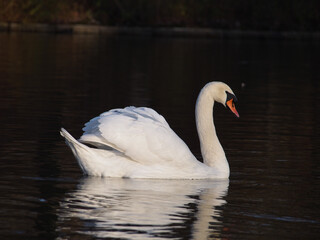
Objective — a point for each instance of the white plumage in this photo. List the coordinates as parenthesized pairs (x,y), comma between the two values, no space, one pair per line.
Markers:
(139,143)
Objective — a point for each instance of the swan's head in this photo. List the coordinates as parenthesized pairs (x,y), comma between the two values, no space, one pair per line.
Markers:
(223,94)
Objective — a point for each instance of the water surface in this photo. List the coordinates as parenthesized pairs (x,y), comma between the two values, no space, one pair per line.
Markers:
(49,81)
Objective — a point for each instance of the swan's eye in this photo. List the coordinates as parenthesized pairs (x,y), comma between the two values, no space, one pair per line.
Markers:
(230,96)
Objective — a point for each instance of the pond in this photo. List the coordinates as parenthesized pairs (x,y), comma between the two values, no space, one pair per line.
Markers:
(52,81)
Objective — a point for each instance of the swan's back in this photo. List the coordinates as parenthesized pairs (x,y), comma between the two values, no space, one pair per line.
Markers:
(141,134)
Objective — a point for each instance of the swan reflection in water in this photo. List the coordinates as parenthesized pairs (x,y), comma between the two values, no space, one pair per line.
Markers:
(144,209)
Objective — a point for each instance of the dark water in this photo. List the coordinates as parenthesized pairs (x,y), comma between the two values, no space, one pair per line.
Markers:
(49,81)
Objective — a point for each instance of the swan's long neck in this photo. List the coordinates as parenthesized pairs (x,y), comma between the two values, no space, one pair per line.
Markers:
(211,149)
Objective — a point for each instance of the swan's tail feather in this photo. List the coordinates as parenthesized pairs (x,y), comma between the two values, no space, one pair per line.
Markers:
(79,150)
(71,141)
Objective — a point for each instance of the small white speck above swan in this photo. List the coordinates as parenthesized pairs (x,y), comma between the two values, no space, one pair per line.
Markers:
(139,143)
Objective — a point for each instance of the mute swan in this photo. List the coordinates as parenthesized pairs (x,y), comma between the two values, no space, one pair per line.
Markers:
(138,142)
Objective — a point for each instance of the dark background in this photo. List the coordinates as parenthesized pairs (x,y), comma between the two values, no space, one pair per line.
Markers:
(297,15)
(50,81)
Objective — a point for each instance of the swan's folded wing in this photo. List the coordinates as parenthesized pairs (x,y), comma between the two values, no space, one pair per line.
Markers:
(140,133)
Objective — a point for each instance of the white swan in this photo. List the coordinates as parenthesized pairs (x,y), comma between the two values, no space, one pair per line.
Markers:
(138,142)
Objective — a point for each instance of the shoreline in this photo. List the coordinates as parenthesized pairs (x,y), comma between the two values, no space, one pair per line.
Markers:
(155,31)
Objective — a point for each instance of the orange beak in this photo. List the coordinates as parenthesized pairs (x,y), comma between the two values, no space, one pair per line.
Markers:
(232,107)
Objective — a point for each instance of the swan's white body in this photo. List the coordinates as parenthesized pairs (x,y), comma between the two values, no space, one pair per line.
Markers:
(138,143)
